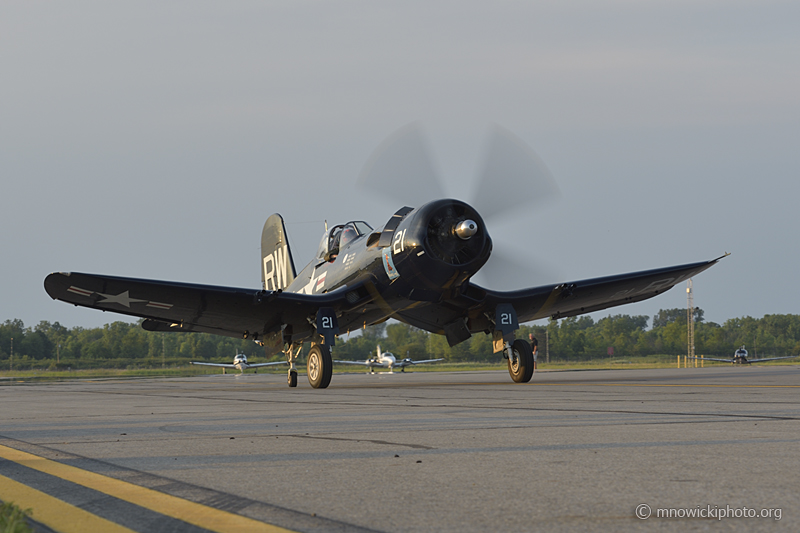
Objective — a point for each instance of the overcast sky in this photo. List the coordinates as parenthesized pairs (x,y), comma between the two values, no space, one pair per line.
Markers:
(153,139)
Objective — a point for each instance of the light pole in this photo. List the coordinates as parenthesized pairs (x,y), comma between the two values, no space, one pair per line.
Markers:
(547,343)
(11,357)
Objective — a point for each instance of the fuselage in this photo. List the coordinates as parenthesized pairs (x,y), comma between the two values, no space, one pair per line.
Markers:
(740,357)
(240,362)
(422,259)
(384,360)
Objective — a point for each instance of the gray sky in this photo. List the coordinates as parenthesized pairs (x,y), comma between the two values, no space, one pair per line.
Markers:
(153,139)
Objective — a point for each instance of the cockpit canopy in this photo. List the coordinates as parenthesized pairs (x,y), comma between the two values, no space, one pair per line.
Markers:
(741,352)
(339,237)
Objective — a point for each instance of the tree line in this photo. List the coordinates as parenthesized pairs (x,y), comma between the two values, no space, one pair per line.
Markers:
(121,344)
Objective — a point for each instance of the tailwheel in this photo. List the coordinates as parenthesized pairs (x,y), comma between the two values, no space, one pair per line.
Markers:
(320,366)
(292,379)
(520,361)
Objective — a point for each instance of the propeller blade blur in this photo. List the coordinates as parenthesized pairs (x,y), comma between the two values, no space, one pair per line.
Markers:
(505,272)
(401,169)
(513,176)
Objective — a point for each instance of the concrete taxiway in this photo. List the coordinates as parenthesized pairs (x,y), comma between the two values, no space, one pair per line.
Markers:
(467,451)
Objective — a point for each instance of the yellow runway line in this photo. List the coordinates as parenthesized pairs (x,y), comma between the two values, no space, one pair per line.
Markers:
(54,513)
(172,506)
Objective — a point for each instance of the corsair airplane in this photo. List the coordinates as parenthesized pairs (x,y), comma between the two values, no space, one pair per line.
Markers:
(239,363)
(417,267)
(740,358)
(387,360)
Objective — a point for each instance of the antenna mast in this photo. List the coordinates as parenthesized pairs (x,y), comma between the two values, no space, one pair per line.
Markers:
(690,322)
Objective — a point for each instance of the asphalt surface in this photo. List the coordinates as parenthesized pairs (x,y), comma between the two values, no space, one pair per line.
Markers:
(465,451)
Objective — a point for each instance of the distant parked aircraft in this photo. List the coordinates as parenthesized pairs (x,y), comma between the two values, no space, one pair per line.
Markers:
(740,358)
(387,360)
(239,363)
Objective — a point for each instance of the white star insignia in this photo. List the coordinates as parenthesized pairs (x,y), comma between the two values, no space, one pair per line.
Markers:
(122,299)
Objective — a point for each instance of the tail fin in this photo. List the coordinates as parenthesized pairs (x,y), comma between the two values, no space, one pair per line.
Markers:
(277,265)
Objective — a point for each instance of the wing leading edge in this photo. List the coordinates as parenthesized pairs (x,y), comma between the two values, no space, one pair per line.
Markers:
(586,296)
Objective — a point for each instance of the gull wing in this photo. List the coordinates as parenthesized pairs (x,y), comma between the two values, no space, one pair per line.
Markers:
(771,359)
(174,306)
(220,365)
(479,305)
(586,296)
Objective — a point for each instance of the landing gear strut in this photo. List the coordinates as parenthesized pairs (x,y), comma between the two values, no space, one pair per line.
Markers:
(320,366)
(291,357)
(520,361)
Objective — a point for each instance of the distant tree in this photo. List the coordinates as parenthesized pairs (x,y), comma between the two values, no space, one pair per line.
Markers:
(667,316)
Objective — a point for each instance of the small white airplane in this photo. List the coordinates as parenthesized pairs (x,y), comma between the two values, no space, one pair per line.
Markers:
(239,363)
(387,360)
(740,358)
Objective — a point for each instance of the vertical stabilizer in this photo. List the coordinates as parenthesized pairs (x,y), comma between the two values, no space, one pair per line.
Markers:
(277,265)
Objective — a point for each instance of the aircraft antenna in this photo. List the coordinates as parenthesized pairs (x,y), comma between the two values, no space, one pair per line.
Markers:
(690,322)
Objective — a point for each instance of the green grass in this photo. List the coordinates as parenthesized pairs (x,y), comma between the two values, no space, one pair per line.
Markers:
(654,361)
(12,519)
(96,373)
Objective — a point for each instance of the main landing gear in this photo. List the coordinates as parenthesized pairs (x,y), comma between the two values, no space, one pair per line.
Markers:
(320,366)
(521,364)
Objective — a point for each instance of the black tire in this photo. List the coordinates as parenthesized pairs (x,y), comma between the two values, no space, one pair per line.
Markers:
(522,371)
(319,366)
(292,379)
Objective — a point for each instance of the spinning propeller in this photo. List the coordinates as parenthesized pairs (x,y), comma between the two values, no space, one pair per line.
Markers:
(401,169)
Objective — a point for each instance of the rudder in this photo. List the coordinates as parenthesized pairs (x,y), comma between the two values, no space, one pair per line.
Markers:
(277,265)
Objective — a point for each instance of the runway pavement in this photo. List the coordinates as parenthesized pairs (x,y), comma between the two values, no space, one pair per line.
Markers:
(464,451)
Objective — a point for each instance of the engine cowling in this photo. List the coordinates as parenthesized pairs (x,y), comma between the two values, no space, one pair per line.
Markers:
(440,245)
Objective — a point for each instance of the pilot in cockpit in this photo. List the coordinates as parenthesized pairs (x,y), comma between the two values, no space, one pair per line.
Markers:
(334,244)
(339,237)
(348,235)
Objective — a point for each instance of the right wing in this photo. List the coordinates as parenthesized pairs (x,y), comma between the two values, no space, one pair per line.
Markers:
(221,365)
(362,363)
(712,359)
(229,311)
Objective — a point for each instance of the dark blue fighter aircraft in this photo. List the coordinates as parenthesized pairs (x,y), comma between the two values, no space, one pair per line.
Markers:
(417,268)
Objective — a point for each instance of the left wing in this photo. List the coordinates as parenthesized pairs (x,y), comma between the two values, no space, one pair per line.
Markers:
(257,365)
(771,359)
(401,363)
(586,296)
(478,305)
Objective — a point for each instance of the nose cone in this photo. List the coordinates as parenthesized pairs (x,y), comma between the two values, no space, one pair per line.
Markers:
(466,229)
